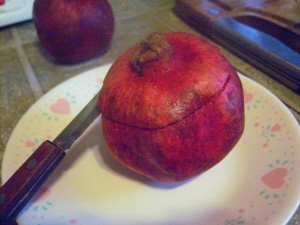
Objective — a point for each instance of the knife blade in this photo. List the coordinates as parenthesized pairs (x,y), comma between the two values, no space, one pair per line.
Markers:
(23,184)
(261,49)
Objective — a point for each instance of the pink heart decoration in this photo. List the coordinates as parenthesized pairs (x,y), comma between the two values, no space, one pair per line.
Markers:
(275,178)
(100,80)
(276,128)
(61,106)
(247,96)
(29,143)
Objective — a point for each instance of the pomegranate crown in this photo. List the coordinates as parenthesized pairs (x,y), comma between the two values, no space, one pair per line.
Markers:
(154,48)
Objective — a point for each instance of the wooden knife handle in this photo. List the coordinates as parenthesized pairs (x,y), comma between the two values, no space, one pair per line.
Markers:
(23,184)
(197,14)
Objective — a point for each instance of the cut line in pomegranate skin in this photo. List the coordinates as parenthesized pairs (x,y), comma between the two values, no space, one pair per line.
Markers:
(172,107)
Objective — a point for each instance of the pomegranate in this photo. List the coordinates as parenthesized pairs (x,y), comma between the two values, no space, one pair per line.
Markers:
(172,107)
(73,30)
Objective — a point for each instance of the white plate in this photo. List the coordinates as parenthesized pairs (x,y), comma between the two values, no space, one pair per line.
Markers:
(257,183)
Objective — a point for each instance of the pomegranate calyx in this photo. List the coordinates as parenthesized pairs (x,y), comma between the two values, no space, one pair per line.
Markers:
(154,48)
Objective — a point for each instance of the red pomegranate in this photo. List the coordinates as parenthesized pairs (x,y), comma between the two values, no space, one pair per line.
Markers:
(172,107)
(73,30)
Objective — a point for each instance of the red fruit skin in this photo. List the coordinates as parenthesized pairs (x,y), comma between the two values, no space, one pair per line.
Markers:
(73,30)
(179,141)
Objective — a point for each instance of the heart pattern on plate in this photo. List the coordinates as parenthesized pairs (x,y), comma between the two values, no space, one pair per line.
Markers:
(248,96)
(275,178)
(61,106)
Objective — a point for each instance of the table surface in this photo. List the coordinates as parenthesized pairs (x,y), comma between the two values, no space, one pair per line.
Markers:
(27,73)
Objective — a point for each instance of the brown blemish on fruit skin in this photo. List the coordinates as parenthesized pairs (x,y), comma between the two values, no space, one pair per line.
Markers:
(188,98)
(154,48)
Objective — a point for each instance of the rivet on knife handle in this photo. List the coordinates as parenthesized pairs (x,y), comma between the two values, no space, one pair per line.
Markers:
(19,189)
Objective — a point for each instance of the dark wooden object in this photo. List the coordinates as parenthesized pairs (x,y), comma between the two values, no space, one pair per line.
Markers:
(264,15)
(19,189)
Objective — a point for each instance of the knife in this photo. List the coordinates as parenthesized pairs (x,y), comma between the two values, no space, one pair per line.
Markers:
(252,31)
(24,183)
(264,51)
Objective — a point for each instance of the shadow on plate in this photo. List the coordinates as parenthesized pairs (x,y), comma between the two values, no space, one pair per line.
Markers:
(92,137)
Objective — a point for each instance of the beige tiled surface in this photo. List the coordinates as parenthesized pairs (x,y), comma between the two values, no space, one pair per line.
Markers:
(26,72)
(16,95)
